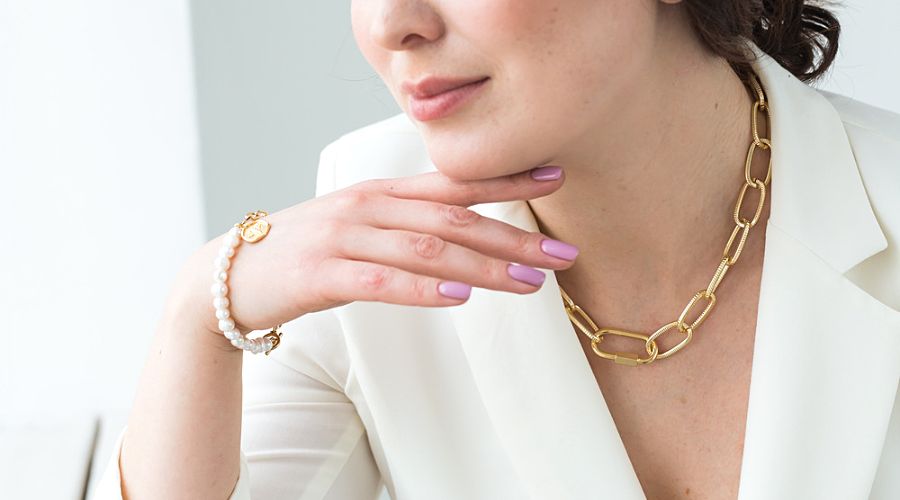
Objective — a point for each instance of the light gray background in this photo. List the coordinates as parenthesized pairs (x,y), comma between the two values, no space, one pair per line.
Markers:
(276,81)
(130,132)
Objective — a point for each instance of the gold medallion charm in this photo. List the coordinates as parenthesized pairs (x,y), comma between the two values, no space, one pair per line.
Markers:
(254,227)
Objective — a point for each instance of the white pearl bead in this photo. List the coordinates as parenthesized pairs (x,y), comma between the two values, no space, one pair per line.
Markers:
(232,334)
(220,276)
(226,251)
(223,314)
(219,289)
(226,324)
(236,342)
(221,302)
(234,231)
(222,263)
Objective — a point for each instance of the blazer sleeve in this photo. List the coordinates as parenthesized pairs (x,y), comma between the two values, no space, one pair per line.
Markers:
(301,436)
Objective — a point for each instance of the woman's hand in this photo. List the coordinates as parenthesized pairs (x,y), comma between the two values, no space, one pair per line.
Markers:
(400,241)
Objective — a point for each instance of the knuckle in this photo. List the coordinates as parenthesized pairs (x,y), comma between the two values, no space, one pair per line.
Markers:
(493,271)
(375,277)
(525,243)
(330,230)
(459,216)
(421,289)
(427,246)
(373,185)
(469,191)
(353,199)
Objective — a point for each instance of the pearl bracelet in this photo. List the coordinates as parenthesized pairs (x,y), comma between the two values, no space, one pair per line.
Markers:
(252,229)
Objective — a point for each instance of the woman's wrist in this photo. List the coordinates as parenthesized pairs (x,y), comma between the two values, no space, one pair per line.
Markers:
(189,307)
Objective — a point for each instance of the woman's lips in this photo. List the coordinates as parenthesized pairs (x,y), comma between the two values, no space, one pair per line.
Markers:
(445,103)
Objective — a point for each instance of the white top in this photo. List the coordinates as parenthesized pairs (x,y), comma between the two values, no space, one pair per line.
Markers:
(495,399)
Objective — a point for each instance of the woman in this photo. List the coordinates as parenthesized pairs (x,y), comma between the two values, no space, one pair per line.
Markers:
(620,144)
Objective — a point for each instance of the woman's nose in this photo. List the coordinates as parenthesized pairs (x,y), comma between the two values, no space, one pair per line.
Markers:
(404,24)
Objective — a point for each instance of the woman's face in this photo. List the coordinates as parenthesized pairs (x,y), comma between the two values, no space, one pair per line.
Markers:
(556,70)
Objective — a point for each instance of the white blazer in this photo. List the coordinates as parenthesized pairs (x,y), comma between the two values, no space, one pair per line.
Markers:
(494,399)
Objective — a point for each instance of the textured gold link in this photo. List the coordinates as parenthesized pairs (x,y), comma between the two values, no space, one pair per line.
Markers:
(591,332)
(663,329)
(586,325)
(751,181)
(760,95)
(754,122)
(723,268)
(740,221)
(572,309)
(621,357)
(745,229)
(702,294)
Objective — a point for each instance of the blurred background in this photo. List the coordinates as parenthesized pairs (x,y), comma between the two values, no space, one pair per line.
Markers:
(133,132)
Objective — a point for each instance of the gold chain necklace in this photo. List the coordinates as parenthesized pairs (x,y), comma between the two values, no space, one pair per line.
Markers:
(729,258)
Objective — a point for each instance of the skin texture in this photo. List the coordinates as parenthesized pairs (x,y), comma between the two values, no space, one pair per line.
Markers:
(650,127)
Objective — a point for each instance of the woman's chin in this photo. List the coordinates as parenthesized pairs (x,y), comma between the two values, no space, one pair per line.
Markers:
(464,157)
(460,165)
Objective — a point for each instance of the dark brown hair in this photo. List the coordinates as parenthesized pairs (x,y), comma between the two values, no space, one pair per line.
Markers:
(801,35)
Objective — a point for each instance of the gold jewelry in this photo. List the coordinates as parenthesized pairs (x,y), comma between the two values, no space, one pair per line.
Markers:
(742,226)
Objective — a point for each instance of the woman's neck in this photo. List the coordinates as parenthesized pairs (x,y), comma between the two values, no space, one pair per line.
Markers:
(649,193)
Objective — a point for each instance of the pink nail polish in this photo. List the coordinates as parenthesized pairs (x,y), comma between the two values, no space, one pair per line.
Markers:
(454,289)
(526,274)
(559,249)
(548,173)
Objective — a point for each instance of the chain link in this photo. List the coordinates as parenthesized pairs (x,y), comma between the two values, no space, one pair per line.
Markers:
(730,256)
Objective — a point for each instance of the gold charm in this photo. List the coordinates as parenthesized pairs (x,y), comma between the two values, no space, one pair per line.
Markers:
(255,231)
(254,227)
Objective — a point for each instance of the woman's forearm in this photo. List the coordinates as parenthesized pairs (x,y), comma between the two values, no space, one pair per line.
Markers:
(183,434)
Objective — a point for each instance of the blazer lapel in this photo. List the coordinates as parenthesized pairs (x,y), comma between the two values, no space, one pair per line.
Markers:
(826,356)
(819,408)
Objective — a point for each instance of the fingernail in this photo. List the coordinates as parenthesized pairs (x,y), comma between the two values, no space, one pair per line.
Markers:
(525,274)
(546,173)
(559,249)
(454,289)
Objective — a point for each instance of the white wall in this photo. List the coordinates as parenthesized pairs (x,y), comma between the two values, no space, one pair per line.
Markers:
(868,64)
(276,81)
(100,199)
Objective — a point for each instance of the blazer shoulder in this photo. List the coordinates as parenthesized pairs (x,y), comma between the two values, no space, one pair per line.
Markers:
(873,134)
(391,147)
(869,118)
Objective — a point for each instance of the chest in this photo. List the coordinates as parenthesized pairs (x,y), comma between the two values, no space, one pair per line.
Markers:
(682,419)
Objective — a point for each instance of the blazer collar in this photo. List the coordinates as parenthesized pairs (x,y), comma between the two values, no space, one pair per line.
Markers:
(813,405)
